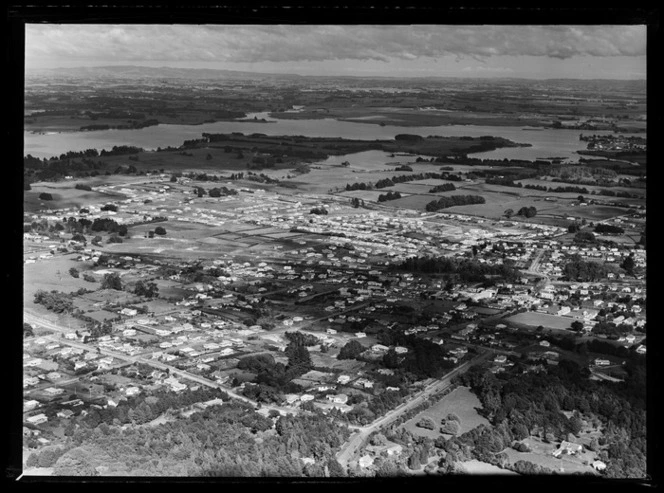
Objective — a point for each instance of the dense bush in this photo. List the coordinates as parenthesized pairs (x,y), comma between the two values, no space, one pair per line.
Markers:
(452,201)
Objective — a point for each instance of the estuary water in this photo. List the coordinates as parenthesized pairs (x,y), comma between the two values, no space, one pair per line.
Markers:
(545,143)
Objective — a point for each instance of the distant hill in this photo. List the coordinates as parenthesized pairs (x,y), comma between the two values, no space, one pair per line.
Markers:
(134,72)
(138,72)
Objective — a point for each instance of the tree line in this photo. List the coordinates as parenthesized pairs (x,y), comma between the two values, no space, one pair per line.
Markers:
(467,270)
(453,201)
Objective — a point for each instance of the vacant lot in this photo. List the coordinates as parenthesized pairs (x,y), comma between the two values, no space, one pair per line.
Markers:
(534,319)
(461,401)
(51,274)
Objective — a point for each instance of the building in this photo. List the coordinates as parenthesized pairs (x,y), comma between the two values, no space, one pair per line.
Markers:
(377,348)
(37,419)
(365,461)
(338,398)
(343,379)
(129,391)
(65,413)
(30,405)
(567,448)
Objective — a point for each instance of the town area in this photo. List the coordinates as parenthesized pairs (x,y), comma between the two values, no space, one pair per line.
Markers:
(169,295)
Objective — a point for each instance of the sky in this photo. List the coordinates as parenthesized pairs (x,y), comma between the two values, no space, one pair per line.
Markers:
(524,51)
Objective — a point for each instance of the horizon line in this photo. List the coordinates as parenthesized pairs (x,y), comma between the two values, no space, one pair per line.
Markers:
(367,76)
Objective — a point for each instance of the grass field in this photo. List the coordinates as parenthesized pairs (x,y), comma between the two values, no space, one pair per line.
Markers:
(478,467)
(416,202)
(534,319)
(461,401)
(52,275)
(542,455)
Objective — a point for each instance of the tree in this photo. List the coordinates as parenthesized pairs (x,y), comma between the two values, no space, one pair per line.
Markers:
(577,326)
(74,272)
(391,358)
(299,359)
(527,212)
(49,455)
(509,213)
(33,460)
(450,427)
(414,461)
(112,281)
(28,330)
(575,425)
(628,264)
(173,179)
(159,230)
(378,440)
(45,196)
(426,422)
(334,468)
(351,350)
(148,289)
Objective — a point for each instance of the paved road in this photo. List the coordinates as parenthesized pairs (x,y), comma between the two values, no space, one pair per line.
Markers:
(350,448)
(33,319)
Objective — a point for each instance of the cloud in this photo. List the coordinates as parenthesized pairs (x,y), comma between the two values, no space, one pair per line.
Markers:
(306,43)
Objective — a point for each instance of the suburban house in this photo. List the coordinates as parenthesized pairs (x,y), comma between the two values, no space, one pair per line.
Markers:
(65,413)
(365,461)
(37,419)
(343,379)
(338,398)
(567,448)
(174,384)
(30,405)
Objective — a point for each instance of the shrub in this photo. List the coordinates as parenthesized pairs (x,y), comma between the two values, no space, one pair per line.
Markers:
(450,428)
(427,423)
